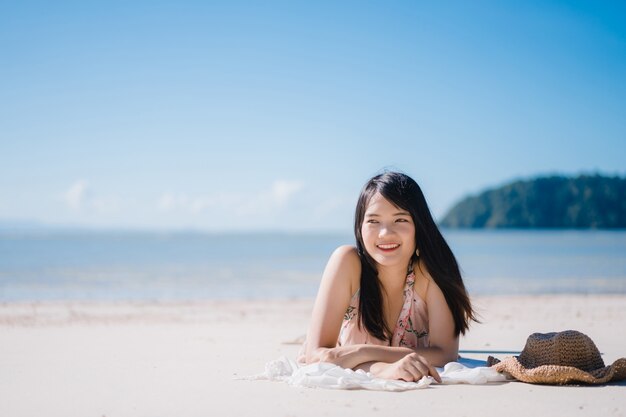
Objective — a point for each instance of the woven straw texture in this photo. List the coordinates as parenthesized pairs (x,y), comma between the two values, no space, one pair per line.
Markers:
(561,358)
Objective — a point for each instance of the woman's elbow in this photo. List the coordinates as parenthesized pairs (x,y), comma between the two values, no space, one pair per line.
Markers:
(308,356)
(450,357)
(311,357)
(445,356)
(315,355)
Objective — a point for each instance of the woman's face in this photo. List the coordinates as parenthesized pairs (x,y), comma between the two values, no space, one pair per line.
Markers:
(388,233)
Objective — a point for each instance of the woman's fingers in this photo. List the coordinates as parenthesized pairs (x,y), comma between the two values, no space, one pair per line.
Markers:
(408,375)
(422,367)
(433,372)
(412,368)
(407,370)
(420,370)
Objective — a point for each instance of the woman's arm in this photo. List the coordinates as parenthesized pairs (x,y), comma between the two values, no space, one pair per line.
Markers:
(363,356)
(442,338)
(340,280)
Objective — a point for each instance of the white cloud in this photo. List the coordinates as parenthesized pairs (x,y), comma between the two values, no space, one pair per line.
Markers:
(284,190)
(76,196)
(277,196)
(80,197)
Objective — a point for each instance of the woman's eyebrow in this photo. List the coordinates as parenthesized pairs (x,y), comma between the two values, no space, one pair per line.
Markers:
(400,213)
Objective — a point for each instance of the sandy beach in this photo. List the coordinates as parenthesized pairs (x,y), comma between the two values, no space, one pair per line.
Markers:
(181,359)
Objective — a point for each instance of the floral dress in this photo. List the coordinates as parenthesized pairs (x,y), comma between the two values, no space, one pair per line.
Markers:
(411,328)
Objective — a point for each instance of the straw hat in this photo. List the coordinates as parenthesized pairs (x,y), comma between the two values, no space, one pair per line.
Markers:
(560,358)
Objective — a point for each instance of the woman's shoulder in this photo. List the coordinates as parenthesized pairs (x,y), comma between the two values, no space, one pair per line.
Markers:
(348,257)
(426,286)
(345,260)
(347,252)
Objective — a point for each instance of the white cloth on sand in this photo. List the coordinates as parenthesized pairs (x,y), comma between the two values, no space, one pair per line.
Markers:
(328,375)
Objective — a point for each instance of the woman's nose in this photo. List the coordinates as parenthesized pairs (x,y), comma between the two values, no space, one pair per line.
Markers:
(384,230)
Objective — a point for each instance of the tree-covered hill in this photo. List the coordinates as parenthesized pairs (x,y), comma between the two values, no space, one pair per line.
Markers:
(586,201)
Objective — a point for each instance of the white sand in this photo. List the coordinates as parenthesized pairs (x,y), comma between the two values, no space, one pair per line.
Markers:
(179,359)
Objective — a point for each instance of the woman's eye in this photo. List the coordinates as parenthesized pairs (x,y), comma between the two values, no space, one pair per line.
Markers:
(372,221)
(402,220)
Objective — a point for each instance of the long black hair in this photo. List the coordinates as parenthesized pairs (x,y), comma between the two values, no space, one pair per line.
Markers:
(402,191)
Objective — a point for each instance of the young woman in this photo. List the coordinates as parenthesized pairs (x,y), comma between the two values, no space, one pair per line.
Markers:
(395,304)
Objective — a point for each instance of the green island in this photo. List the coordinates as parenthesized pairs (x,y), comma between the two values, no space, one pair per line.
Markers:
(582,202)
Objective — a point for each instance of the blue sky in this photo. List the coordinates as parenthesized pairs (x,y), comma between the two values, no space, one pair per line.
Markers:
(271,115)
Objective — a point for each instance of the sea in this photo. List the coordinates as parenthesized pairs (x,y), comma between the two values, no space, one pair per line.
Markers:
(182,266)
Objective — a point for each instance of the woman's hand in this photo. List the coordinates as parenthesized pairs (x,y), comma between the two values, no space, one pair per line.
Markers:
(411,367)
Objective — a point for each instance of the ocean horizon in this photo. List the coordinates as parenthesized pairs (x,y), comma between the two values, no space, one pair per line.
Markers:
(44,265)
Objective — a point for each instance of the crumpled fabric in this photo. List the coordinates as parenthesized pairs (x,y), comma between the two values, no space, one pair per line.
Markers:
(331,376)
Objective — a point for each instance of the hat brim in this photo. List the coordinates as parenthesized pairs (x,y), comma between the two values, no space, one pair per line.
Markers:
(561,375)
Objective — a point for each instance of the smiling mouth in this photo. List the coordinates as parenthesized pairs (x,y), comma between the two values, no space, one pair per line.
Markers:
(388,247)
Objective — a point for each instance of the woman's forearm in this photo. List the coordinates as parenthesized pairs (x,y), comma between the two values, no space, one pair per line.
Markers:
(344,356)
(434,355)
(354,355)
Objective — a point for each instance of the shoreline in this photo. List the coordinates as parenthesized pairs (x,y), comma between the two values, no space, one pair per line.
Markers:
(180,358)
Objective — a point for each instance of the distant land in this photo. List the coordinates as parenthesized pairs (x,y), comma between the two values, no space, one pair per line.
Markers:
(582,202)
